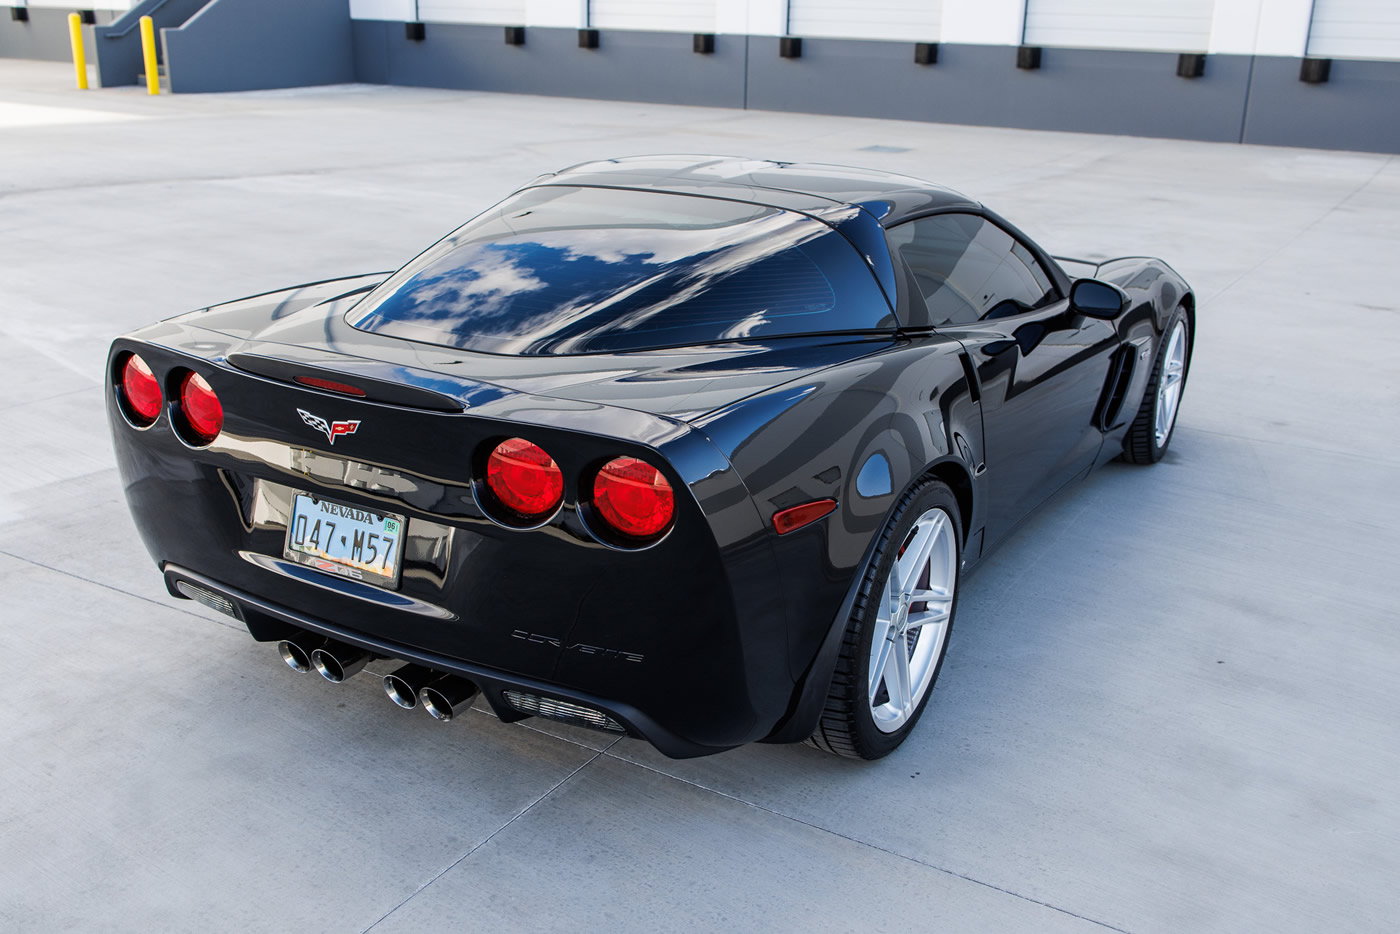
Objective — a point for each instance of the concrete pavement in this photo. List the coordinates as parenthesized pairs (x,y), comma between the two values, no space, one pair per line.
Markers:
(1170,704)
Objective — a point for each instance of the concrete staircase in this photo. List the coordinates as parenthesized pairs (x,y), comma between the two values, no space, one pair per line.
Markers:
(162,77)
(118,45)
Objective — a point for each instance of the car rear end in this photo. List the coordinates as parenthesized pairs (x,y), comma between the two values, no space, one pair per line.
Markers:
(367,483)
(357,506)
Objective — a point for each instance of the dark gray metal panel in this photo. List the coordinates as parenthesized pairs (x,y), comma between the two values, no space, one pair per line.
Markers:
(370,38)
(246,45)
(1135,93)
(1358,108)
(119,60)
(45,36)
(627,65)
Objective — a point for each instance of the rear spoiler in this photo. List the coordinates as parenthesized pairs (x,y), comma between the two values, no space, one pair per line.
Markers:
(348,376)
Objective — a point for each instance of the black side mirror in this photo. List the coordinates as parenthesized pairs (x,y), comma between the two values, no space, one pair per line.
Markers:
(1097,299)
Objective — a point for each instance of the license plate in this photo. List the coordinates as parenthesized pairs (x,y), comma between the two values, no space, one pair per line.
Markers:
(350,541)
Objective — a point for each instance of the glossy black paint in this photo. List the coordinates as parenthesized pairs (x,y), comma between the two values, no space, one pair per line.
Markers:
(722,632)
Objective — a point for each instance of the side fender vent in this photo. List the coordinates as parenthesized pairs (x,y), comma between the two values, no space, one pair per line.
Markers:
(974,383)
(1120,374)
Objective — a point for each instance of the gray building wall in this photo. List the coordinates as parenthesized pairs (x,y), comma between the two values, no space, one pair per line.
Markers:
(627,65)
(233,45)
(45,36)
(1133,93)
(248,45)
(1240,98)
(1358,108)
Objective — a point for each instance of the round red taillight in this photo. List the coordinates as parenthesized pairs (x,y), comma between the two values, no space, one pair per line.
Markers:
(633,497)
(524,477)
(141,390)
(203,413)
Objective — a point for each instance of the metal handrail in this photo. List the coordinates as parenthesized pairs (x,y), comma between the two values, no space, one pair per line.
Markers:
(135,22)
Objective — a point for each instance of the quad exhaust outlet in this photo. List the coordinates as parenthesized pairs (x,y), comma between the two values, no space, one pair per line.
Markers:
(447,696)
(337,661)
(403,684)
(442,696)
(296,649)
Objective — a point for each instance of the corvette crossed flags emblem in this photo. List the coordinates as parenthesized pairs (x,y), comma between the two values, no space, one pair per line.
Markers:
(331,430)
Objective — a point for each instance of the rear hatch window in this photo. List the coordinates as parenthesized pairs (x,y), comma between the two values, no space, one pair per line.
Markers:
(567,270)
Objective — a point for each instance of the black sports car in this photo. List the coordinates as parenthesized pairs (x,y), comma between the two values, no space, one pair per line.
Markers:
(694,449)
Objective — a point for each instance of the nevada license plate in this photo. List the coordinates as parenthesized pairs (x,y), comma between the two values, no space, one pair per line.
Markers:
(350,541)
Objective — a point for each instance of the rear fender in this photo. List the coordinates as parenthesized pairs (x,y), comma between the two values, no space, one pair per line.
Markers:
(815,683)
(860,434)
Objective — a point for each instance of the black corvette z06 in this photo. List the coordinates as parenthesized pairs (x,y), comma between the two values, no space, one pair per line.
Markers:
(687,448)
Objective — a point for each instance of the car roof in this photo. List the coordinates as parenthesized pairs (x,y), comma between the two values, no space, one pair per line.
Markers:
(811,188)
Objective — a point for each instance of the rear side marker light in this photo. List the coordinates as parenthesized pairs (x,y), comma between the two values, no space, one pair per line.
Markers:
(141,391)
(330,385)
(552,709)
(524,477)
(790,520)
(204,415)
(633,497)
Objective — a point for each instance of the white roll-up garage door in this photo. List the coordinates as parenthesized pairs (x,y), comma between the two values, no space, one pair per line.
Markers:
(69,6)
(656,15)
(489,12)
(1355,29)
(896,20)
(1158,25)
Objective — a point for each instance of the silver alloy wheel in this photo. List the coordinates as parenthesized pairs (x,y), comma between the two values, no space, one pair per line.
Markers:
(911,623)
(1169,383)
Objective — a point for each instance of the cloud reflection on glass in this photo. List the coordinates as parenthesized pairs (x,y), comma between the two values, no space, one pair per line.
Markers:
(560,270)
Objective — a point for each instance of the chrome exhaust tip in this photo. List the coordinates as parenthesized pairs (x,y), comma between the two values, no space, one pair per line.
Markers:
(296,650)
(337,661)
(403,684)
(447,696)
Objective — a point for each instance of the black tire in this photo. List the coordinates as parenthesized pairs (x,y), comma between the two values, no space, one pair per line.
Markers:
(847,726)
(1140,443)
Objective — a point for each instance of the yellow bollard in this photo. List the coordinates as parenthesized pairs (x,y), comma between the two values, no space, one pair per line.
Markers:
(148,52)
(75,33)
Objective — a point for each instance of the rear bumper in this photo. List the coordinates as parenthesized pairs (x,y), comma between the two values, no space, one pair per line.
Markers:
(687,642)
(268,622)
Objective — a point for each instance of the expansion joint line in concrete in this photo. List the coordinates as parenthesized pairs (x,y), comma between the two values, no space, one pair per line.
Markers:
(874,846)
(58,395)
(125,593)
(1306,227)
(491,836)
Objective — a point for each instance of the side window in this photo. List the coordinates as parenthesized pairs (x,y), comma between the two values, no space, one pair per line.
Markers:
(969,269)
